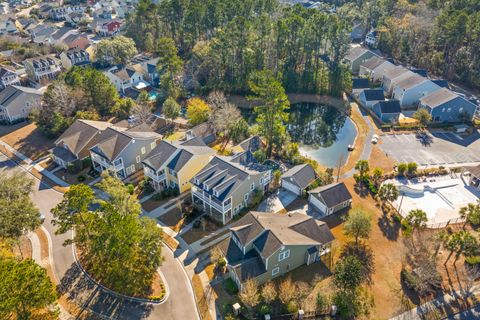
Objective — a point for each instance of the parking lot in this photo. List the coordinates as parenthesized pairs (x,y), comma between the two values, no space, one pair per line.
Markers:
(438,148)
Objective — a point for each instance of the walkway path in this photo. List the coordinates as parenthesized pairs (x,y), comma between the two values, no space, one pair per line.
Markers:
(367,147)
(420,312)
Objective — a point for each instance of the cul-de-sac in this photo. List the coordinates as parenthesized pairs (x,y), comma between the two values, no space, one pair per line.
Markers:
(239,159)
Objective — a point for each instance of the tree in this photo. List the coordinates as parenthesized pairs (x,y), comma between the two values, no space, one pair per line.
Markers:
(123,108)
(115,50)
(388,192)
(348,275)
(198,111)
(169,67)
(271,114)
(423,116)
(286,291)
(358,224)
(362,167)
(224,115)
(353,304)
(26,291)
(416,219)
(412,168)
(364,254)
(269,292)
(471,214)
(249,294)
(377,176)
(238,130)
(171,109)
(87,115)
(118,247)
(460,242)
(402,168)
(18,214)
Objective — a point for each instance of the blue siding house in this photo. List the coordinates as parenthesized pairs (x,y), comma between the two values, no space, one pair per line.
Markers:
(387,111)
(447,106)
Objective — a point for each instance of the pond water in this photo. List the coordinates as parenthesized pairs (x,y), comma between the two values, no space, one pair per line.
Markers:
(323,132)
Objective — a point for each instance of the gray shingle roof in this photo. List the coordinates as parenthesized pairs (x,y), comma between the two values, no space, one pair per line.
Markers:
(438,98)
(373,62)
(360,83)
(331,194)
(355,53)
(302,175)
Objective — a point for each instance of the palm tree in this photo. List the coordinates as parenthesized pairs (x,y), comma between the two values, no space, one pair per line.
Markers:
(362,167)
(377,175)
(471,214)
(388,192)
(461,242)
(417,219)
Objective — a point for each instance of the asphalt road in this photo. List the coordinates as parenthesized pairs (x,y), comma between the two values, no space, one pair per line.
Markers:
(179,305)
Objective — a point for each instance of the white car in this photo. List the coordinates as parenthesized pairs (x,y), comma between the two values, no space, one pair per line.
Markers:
(375,139)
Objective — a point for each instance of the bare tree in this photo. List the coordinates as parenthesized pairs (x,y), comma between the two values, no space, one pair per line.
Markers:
(286,291)
(269,292)
(224,115)
(249,294)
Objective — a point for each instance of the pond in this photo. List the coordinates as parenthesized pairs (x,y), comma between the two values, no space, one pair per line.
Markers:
(323,132)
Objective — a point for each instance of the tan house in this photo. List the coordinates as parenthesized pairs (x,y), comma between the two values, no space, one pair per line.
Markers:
(263,246)
(173,164)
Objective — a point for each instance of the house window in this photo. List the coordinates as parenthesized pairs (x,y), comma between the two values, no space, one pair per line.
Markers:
(153,145)
(245,197)
(283,255)
(252,186)
(449,109)
(275,271)
(143,150)
(460,109)
(138,159)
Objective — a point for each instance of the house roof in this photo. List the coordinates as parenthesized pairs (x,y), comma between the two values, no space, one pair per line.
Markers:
(5,70)
(390,106)
(474,171)
(374,94)
(439,97)
(373,62)
(441,83)
(331,194)
(396,72)
(80,134)
(421,72)
(270,231)
(202,130)
(252,144)
(114,139)
(63,154)
(356,52)
(11,94)
(302,175)
(410,81)
(61,32)
(360,83)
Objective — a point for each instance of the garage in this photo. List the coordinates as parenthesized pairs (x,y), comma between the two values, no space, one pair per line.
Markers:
(290,187)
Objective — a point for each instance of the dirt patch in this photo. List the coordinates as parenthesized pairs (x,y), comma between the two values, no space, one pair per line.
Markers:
(151,204)
(379,159)
(201,298)
(27,139)
(206,229)
(173,219)
(23,249)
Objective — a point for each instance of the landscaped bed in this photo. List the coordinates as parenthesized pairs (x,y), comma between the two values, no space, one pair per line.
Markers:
(75,178)
(173,219)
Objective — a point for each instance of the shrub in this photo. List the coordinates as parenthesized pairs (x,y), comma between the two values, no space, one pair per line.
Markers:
(472,260)
(221,262)
(74,167)
(86,163)
(402,168)
(412,167)
(81,178)
(265,309)
(130,188)
(408,279)
(157,197)
(397,217)
(292,307)
(231,287)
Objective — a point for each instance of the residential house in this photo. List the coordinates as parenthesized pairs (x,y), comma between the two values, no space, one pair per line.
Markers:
(78,58)
(263,246)
(474,173)
(225,186)
(369,97)
(75,143)
(205,131)
(359,84)
(298,178)
(447,106)
(149,65)
(392,76)
(374,68)
(108,28)
(251,144)
(358,31)
(61,34)
(76,41)
(121,150)
(124,78)
(42,34)
(43,68)
(412,88)
(8,25)
(16,102)
(388,110)
(371,39)
(356,56)
(8,76)
(60,13)
(330,198)
(173,164)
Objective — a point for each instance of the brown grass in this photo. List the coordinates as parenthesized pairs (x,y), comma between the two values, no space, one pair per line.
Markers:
(194,235)
(23,249)
(201,298)
(151,204)
(26,138)
(379,159)
(169,241)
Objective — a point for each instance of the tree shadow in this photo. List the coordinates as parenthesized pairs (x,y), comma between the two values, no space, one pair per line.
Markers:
(361,190)
(389,227)
(77,287)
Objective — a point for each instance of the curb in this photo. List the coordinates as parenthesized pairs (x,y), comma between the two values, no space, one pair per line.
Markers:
(118,295)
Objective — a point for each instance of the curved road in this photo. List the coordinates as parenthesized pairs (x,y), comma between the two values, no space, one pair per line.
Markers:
(179,305)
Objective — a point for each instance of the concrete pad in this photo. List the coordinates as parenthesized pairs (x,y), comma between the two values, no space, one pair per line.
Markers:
(277,201)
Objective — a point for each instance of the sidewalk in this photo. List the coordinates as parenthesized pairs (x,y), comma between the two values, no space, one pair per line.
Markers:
(157,212)
(34,164)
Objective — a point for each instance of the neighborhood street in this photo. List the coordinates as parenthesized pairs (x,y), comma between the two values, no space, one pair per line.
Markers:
(180,303)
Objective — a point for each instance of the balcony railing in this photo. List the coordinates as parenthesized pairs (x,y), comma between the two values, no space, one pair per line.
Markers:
(211,202)
(103,162)
(155,177)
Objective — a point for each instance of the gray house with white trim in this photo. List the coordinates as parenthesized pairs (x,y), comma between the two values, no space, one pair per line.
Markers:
(298,178)
(412,88)
(356,56)
(330,198)
(445,105)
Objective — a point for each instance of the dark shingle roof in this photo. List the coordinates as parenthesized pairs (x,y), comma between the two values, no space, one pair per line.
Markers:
(360,83)
(373,62)
(441,83)
(390,106)
(302,175)
(332,194)
(159,155)
(81,133)
(252,144)
(374,94)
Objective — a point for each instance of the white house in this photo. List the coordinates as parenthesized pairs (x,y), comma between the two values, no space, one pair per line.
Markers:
(393,76)
(412,88)
(125,78)
(16,102)
(375,68)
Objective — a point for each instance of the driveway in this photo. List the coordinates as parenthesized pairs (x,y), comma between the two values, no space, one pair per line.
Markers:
(438,148)
(277,201)
(179,305)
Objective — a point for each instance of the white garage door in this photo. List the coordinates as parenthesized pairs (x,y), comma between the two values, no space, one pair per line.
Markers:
(290,187)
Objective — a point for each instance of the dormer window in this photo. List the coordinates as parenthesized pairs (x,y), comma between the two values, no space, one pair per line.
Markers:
(197,181)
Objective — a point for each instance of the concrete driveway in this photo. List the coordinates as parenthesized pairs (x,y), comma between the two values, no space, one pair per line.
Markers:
(277,201)
(179,305)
